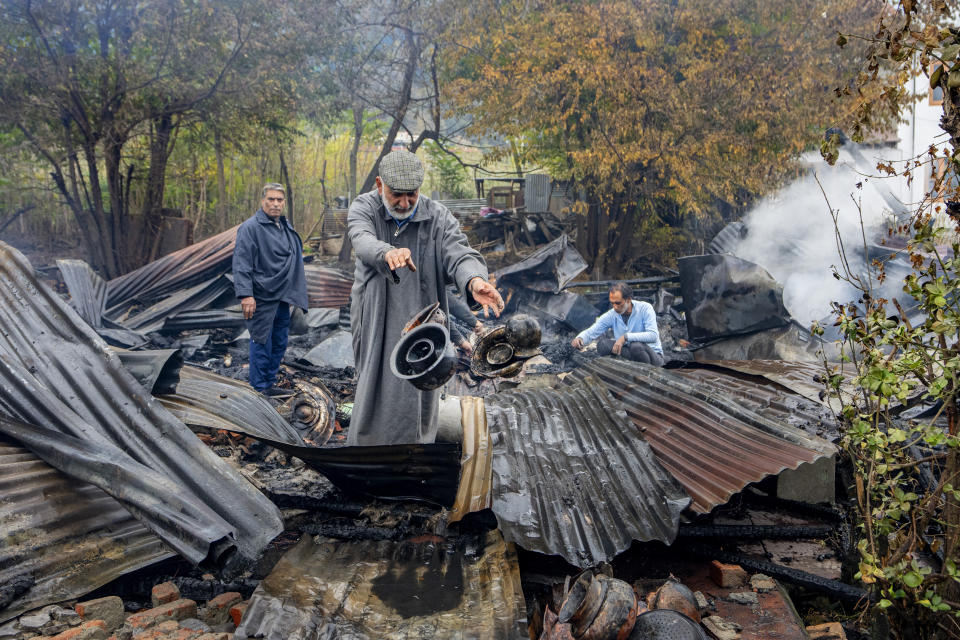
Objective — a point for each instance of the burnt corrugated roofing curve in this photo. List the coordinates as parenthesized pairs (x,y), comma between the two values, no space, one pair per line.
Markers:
(571,475)
(70,401)
(426,588)
(714,446)
(61,538)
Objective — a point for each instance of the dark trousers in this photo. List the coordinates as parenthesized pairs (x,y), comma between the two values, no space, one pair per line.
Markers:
(265,358)
(636,351)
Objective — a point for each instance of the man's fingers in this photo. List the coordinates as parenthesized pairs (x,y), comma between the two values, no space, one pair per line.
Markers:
(410,264)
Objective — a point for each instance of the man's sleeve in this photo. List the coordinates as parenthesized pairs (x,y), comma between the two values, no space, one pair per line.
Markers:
(594,331)
(461,262)
(460,310)
(648,325)
(363,235)
(244,257)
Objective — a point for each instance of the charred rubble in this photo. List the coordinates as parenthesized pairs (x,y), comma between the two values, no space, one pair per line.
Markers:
(149,490)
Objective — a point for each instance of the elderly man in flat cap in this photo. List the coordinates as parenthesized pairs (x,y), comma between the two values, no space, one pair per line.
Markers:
(397,231)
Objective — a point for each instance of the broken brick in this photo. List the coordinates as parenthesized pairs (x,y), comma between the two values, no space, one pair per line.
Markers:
(727,575)
(176,610)
(163,593)
(216,636)
(236,613)
(91,630)
(109,609)
(218,608)
(827,631)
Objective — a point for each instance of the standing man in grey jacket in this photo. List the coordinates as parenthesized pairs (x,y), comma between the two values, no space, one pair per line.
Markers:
(268,278)
(408,249)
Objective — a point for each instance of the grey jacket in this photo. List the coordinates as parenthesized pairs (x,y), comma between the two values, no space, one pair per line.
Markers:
(388,410)
(268,265)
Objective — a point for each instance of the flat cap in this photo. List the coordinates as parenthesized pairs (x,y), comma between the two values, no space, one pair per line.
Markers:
(401,170)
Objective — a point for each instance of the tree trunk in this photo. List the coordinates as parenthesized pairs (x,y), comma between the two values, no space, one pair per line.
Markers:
(221,182)
(161,144)
(285,176)
(355,149)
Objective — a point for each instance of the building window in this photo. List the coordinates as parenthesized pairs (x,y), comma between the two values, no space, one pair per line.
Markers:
(935,93)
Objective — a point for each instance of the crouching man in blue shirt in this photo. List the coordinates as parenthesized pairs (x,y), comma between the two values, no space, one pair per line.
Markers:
(268,277)
(634,324)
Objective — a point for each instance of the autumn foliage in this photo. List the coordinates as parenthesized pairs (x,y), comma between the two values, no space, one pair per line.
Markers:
(670,116)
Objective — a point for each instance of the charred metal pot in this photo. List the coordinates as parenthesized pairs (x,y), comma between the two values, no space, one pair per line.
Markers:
(424,356)
(666,624)
(501,352)
(599,608)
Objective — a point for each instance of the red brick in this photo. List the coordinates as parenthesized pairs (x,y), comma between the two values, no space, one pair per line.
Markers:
(108,609)
(176,610)
(158,634)
(236,613)
(728,575)
(827,631)
(216,636)
(91,630)
(218,608)
(163,593)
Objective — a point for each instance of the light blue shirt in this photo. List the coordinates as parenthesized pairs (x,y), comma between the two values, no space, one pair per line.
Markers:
(641,327)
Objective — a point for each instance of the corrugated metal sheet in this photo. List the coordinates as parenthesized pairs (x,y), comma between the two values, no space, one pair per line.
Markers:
(327,287)
(768,400)
(727,240)
(549,268)
(65,537)
(74,405)
(476,459)
(204,319)
(710,443)
(796,376)
(571,476)
(88,291)
(193,298)
(205,399)
(536,192)
(200,262)
(463,589)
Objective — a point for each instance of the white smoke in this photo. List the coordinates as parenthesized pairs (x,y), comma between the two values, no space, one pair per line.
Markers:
(792,234)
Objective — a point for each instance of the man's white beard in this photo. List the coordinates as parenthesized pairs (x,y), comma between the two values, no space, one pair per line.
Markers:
(393,212)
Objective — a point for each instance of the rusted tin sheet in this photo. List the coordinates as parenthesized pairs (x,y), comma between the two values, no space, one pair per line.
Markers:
(194,298)
(710,443)
(206,399)
(465,588)
(796,376)
(62,538)
(475,461)
(88,291)
(571,475)
(327,287)
(767,399)
(200,262)
(74,405)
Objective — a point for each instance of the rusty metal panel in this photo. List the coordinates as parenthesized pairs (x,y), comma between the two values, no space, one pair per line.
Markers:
(796,376)
(327,287)
(71,402)
(187,267)
(62,538)
(571,476)
(767,399)
(465,588)
(711,444)
(475,461)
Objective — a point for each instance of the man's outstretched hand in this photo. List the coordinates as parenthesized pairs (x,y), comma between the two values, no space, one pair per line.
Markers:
(487,296)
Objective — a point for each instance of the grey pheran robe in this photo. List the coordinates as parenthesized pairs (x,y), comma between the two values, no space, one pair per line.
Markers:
(388,410)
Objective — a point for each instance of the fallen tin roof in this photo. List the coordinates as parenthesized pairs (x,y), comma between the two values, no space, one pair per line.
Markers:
(327,287)
(88,291)
(549,268)
(61,538)
(714,446)
(796,376)
(199,262)
(205,399)
(419,589)
(571,476)
(474,492)
(71,402)
(194,298)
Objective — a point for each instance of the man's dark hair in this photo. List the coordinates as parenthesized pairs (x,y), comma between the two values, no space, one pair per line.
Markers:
(623,288)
